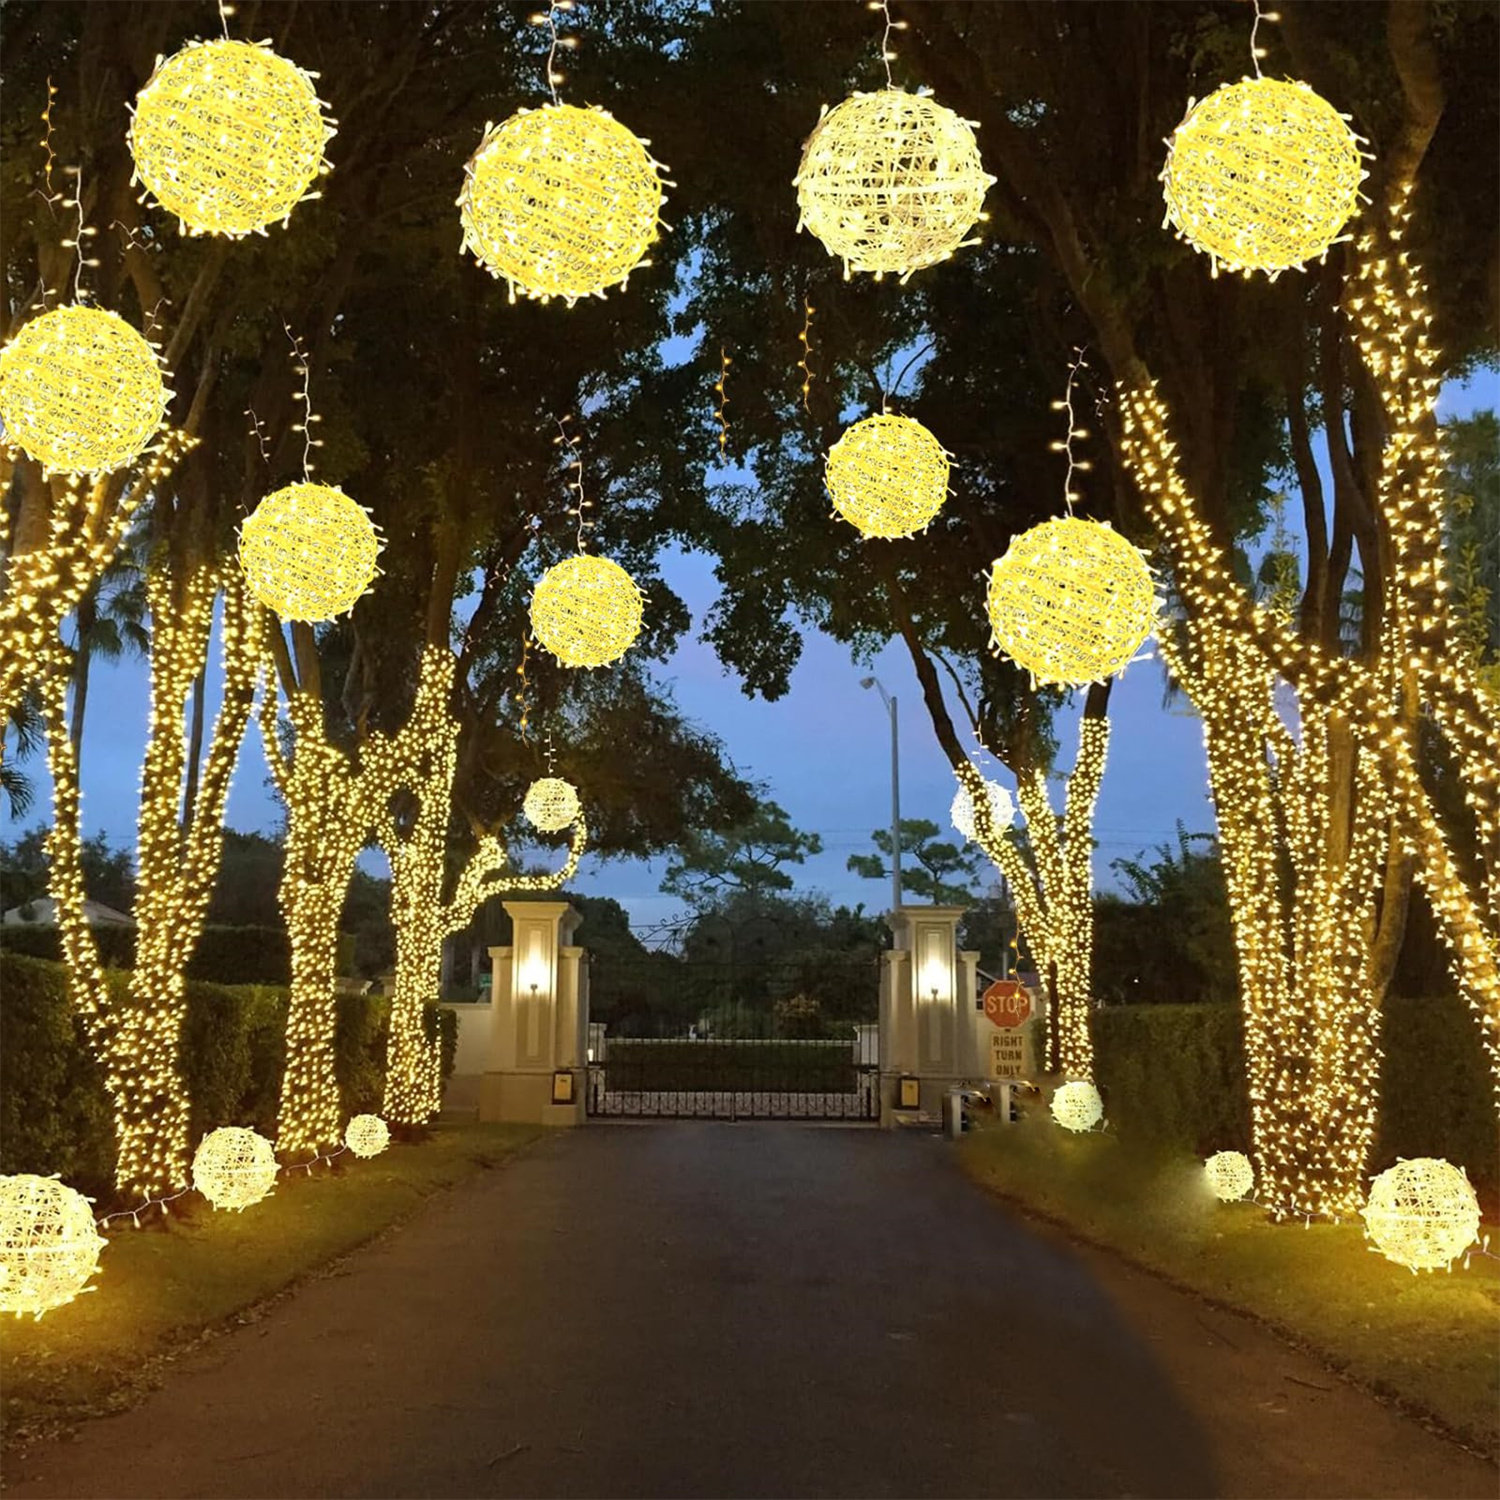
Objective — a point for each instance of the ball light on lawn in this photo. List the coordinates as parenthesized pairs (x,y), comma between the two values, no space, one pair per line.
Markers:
(1262,175)
(1229,1175)
(586,611)
(367,1135)
(309,552)
(560,202)
(888,476)
(229,137)
(234,1167)
(1002,809)
(49,1244)
(1077,1106)
(81,391)
(1071,601)
(551,804)
(1422,1213)
(891,182)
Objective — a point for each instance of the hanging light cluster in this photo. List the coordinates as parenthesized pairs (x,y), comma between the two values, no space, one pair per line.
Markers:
(587,611)
(1229,1175)
(234,1167)
(229,137)
(309,551)
(887,476)
(551,804)
(1422,1213)
(1001,805)
(49,1244)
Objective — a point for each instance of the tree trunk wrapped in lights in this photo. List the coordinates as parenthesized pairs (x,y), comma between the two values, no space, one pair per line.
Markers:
(413,829)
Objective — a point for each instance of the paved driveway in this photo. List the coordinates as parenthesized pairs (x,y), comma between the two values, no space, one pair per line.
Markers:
(702,1309)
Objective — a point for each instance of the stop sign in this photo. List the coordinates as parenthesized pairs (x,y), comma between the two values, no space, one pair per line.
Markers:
(1007,1002)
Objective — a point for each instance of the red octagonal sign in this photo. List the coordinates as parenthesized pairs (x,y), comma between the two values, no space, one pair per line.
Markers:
(1007,1002)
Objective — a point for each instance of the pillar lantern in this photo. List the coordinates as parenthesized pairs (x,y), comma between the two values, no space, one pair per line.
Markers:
(926,993)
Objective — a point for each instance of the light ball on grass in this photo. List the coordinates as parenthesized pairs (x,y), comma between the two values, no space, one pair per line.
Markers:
(891,182)
(560,202)
(1262,175)
(309,552)
(1229,1175)
(587,611)
(367,1135)
(551,804)
(888,476)
(1071,601)
(234,1167)
(49,1244)
(1077,1106)
(229,137)
(81,391)
(1002,809)
(1422,1213)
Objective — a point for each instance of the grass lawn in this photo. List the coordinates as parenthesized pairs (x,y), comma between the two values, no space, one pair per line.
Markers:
(160,1289)
(1431,1342)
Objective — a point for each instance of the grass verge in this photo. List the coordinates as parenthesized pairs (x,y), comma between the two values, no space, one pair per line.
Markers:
(161,1290)
(1429,1342)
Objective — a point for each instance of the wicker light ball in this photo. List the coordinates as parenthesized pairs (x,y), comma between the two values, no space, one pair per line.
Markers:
(1229,1175)
(234,1167)
(1262,175)
(1422,1213)
(80,390)
(586,611)
(1002,809)
(229,136)
(551,804)
(49,1244)
(560,202)
(1077,1106)
(367,1135)
(1071,601)
(888,476)
(309,551)
(891,181)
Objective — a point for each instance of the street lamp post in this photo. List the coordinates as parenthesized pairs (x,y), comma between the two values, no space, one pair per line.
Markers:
(890,707)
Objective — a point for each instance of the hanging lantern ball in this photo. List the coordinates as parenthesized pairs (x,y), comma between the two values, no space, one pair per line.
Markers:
(551,804)
(1262,175)
(1077,1106)
(1422,1213)
(888,476)
(560,202)
(49,1244)
(1002,809)
(229,137)
(81,391)
(234,1167)
(586,611)
(1071,601)
(1229,1175)
(891,181)
(367,1135)
(309,551)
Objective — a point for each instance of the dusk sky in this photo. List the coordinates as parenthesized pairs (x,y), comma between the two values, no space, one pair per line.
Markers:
(822,750)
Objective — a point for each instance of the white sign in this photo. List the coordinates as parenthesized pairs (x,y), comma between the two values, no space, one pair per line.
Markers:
(1007,1056)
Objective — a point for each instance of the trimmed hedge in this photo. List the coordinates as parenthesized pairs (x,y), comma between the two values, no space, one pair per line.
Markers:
(55,1115)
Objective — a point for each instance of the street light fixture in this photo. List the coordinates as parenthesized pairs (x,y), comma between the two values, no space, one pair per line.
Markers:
(890,707)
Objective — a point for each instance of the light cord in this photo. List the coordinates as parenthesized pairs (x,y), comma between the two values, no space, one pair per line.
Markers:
(566,439)
(303,368)
(548,18)
(1256,50)
(805,337)
(84,233)
(1075,433)
(723,421)
(887,55)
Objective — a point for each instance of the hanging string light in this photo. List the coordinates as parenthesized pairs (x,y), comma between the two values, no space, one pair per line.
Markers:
(1002,810)
(49,1245)
(1263,174)
(1422,1213)
(551,804)
(887,476)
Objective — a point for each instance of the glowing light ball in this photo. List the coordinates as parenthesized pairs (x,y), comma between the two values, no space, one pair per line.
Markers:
(586,611)
(81,391)
(49,1244)
(551,804)
(1262,175)
(1229,1175)
(229,136)
(1422,1213)
(888,476)
(1077,1106)
(1002,809)
(309,551)
(1071,601)
(233,1167)
(891,182)
(367,1135)
(560,202)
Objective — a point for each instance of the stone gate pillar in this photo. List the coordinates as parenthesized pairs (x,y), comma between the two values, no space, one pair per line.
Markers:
(535,1071)
(926,992)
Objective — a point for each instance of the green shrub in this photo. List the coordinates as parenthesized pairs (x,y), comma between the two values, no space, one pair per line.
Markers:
(242,955)
(116,944)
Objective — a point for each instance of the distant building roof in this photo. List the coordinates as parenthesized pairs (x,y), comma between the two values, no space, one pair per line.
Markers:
(43,913)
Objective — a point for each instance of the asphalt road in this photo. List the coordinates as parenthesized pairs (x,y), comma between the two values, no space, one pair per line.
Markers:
(706,1309)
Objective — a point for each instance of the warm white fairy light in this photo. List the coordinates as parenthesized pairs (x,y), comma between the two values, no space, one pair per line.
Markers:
(1422,1213)
(367,1135)
(234,1167)
(49,1244)
(1229,1175)
(1001,805)
(551,804)
(1077,1106)
(309,552)
(587,611)
(887,476)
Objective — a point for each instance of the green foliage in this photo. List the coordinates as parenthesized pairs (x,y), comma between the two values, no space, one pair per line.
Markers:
(747,859)
(116,944)
(108,870)
(944,873)
(799,1017)
(1473,539)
